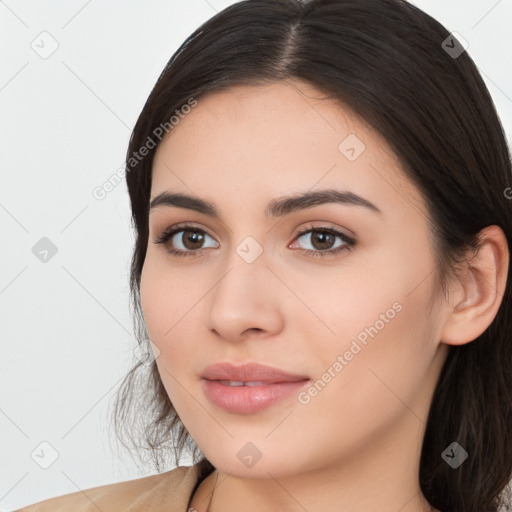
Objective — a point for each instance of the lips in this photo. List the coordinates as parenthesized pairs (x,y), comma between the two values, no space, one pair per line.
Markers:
(250,373)
(249,388)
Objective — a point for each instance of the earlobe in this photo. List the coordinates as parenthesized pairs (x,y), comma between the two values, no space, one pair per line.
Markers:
(479,291)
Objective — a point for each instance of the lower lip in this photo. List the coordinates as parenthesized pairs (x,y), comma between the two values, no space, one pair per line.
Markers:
(249,399)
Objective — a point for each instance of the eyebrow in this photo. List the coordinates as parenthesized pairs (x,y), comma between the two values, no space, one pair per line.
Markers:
(275,208)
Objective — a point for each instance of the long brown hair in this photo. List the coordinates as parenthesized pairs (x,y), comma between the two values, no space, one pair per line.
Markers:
(402,71)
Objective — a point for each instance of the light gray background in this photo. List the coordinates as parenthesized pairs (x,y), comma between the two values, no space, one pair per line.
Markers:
(66,335)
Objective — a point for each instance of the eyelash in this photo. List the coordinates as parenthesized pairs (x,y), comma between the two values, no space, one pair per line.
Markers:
(349,242)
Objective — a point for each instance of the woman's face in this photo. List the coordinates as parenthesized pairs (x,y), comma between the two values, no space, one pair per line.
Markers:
(362,324)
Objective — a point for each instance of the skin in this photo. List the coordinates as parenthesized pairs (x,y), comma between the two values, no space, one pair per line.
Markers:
(356,445)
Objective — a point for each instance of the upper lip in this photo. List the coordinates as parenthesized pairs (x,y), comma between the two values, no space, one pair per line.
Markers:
(249,372)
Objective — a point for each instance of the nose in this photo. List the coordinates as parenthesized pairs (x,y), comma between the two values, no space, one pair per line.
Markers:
(247,298)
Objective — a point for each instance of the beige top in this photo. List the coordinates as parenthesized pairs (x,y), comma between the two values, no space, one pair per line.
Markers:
(165,492)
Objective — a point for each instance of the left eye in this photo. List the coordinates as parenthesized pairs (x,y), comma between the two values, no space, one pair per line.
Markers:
(322,240)
(195,237)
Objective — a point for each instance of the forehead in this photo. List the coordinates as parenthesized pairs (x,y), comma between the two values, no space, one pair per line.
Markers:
(264,141)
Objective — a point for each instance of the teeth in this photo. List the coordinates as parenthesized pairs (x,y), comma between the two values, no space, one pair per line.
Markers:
(241,383)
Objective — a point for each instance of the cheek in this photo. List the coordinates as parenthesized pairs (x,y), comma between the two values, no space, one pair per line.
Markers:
(160,301)
(165,317)
(169,305)
(379,312)
(386,358)
(149,290)
(344,301)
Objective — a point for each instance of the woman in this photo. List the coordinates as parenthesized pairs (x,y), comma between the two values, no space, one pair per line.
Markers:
(321,197)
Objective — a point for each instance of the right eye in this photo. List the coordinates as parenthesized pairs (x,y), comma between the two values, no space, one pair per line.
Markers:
(187,238)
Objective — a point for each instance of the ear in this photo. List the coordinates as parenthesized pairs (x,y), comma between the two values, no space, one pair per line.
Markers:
(477,295)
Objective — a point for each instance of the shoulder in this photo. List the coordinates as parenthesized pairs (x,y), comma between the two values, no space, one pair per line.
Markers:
(167,491)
